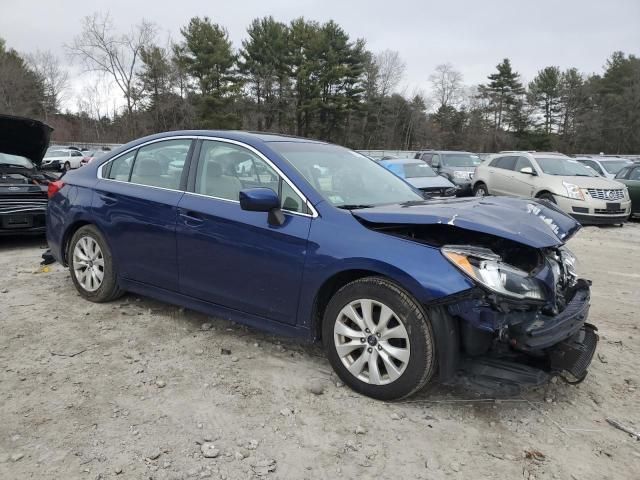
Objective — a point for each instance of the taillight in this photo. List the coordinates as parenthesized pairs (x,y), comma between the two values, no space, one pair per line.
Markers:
(54,187)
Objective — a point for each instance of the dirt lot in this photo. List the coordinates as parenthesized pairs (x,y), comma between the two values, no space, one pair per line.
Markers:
(133,388)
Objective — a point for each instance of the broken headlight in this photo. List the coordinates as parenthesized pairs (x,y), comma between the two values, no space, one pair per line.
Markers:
(488,269)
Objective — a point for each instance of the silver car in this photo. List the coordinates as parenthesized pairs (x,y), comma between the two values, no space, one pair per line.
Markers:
(607,167)
(576,189)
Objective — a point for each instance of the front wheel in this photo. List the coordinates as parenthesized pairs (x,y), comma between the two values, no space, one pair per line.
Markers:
(91,266)
(379,339)
(480,190)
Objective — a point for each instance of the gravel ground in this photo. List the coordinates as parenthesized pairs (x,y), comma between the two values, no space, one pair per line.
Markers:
(141,389)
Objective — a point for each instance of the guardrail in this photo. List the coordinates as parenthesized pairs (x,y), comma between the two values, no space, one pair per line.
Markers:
(377,154)
(87,145)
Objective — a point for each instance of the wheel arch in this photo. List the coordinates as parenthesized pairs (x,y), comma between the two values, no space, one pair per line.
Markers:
(339,279)
(542,192)
(71,230)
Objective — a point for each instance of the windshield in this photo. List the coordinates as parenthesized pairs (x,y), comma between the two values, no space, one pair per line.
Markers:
(564,167)
(418,170)
(345,178)
(614,166)
(6,159)
(460,160)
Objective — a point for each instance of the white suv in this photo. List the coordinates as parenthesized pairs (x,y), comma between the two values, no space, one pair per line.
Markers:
(559,179)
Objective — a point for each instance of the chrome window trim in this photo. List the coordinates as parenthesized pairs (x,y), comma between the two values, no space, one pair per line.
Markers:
(313,214)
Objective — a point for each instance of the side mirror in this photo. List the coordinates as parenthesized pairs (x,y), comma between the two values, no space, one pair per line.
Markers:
(527,170)
(262,200)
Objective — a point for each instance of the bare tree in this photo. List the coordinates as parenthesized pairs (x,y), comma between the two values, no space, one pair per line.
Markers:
(391,69)
(101,49)
(93,105)
(446,83)
(54,78)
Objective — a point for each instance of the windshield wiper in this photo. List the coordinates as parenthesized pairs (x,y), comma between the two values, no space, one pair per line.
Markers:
(354,206)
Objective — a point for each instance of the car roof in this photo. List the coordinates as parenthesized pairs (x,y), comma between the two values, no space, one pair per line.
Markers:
(446,151)
(250,138)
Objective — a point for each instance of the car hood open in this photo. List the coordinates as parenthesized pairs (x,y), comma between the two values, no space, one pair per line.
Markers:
(24,137)
(526,221)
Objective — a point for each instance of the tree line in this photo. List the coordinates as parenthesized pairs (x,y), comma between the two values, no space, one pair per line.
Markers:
(312,79)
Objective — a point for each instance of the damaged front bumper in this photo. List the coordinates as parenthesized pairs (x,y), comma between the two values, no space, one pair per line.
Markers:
(508,347)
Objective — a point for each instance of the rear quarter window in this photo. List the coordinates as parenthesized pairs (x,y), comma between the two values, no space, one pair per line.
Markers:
(120,168)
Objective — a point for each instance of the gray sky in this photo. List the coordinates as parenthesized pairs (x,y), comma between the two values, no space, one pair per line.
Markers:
(472,35)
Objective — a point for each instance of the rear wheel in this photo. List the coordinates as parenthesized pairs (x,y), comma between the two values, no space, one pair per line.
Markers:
(91,266)
(67,166)
(480,190)
(378,339)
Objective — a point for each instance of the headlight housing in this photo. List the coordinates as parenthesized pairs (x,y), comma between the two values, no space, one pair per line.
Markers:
(461,175)
(573,191)
(487,269)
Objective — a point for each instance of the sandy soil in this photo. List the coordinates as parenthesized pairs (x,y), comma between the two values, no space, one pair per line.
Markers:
(140,389)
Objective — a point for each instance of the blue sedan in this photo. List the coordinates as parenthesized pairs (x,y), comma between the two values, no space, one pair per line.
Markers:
(305,238)
(421,176)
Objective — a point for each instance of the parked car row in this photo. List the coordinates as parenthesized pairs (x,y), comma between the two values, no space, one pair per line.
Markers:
(592,189)
(67,158)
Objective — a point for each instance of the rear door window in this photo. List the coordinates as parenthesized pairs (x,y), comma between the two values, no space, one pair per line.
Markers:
(506,163)
(161,164)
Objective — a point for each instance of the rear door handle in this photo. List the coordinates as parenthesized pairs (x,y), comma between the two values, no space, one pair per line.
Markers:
(108,198)
(191,218)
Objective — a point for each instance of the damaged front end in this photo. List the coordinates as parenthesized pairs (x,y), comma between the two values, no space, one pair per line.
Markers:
(526,318)
(524,322)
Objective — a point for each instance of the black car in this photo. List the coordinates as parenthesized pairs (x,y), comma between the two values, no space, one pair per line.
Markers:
(457,167)
(23,186)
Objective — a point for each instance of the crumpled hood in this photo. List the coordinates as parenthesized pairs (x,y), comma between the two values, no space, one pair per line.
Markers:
(24,137)
(526,221)
(430,182)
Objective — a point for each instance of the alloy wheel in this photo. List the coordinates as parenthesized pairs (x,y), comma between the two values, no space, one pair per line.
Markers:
(372,342)
(88,263)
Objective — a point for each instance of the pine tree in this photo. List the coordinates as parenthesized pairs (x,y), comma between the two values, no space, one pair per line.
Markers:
(545,93)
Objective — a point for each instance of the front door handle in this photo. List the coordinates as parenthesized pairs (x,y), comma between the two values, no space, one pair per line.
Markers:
(191,218)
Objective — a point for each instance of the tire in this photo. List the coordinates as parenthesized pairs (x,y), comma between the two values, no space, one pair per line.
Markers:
(548,197)
(66,167)
(83,257)
(480,190)
(412,340)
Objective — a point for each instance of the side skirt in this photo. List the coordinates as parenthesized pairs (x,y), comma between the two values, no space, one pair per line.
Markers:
(215,310)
